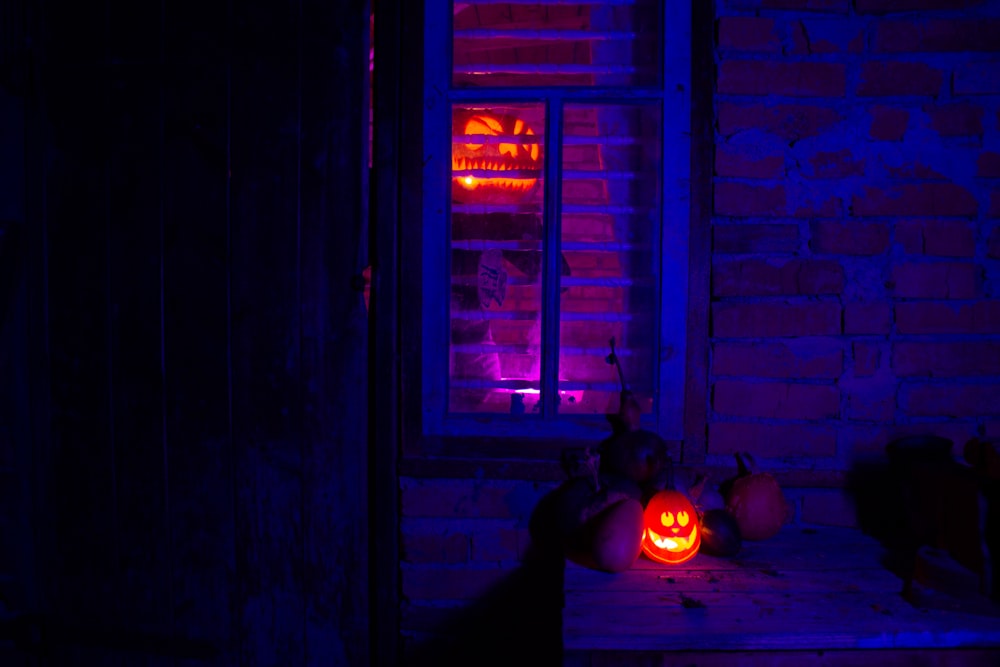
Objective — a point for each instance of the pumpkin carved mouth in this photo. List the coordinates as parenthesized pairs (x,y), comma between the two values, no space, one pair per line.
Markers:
(671,533)
(675,542)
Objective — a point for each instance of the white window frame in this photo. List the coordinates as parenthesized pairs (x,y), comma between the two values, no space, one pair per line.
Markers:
(674,96)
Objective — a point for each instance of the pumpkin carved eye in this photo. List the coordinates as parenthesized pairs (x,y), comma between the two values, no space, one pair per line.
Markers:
(483,125)
(667,519)
(682,518)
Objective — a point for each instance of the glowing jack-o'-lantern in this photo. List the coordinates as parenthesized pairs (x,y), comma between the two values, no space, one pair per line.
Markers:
(670,528)
(493,170)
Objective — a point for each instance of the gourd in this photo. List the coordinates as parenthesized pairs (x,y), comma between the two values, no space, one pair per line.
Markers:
(595,518)
(720,534)
(755,500)
(632,451)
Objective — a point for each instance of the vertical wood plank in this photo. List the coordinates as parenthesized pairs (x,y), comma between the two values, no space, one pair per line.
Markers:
(265,333)
(394,320)
(334,330)
(81,509)
(144,550)
(700,236)
(78,516)
(196,324)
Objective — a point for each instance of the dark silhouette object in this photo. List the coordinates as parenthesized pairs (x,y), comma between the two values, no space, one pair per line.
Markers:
(942,515)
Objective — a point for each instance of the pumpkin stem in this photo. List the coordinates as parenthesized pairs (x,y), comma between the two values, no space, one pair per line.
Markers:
(613,359)
(744,463)
(698,487)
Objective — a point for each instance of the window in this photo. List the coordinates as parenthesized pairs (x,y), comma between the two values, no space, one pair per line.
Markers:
(556,194)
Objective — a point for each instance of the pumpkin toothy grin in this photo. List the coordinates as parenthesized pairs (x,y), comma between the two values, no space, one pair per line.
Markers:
(674,543)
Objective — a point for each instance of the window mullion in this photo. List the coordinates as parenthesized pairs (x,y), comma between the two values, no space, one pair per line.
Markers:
(552,230)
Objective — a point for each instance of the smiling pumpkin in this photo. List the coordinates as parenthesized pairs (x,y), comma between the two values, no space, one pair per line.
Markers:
(670,528)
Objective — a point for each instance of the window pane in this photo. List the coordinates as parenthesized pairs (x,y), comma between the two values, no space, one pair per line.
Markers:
(610,231)
(496,258)
(595,43)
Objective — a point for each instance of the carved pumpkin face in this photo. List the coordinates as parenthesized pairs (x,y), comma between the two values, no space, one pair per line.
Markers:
(670,528)
(488,169)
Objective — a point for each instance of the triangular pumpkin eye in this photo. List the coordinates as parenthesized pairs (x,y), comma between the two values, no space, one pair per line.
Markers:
(667,519)
(682,518)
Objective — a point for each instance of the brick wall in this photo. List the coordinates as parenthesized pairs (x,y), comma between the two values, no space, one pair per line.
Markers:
(855,292)
(855,289)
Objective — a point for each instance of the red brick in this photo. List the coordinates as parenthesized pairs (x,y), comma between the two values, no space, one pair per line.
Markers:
(888,123)
(792,122)
(889,6)
(899,78)
(492,543)
(873,401)
(807,200)
(867,318)
(941,238)
(835,6)
(755,238)
(934,281)
(794,79)
(946,359)
(936,318)
(772,440)
(775,400)
(988,165)
(978,78)
(743,200)
(912,170)
(812,36)
(956,120)
(950,400)
(896,36)
(741,164)
(834,164)
(468,498)
(858,440)
(754,277)
(952,35)
(925,199)
(748,33)
(829,507)
(442,546)
(993,244)
(815,358)
(751,320)
(866,356)
(849,238)
(437,583)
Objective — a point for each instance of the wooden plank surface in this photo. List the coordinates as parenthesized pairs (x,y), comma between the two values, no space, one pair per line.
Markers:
(805,589)
(196,319)
(844,658)
(266,354)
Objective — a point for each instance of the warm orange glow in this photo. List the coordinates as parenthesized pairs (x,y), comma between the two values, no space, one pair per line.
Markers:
(670,528)
(479,166)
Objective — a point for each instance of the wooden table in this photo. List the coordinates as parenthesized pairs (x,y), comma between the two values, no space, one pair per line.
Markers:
(808,595)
